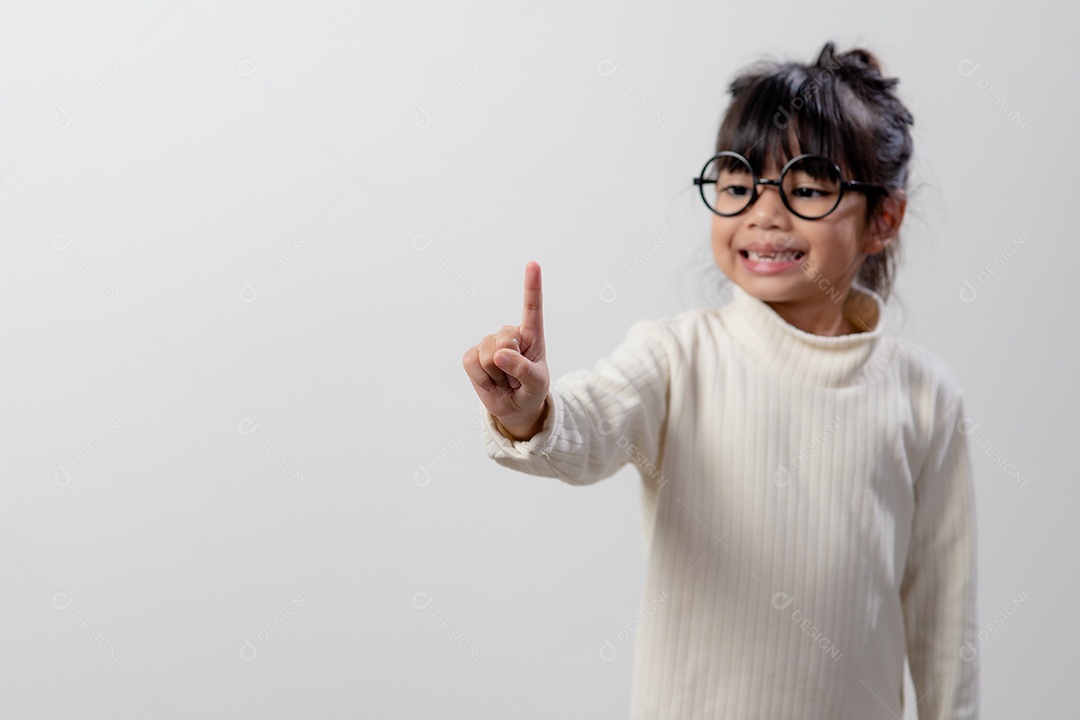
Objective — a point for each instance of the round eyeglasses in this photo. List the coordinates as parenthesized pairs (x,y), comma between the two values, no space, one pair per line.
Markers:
(810,186)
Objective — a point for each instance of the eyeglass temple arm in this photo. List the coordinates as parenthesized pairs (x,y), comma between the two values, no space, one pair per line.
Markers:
(856,185)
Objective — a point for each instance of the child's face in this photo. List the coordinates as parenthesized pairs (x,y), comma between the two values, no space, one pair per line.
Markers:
(833,249)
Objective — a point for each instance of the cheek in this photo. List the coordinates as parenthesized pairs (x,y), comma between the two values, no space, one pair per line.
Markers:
(719,241)
(722,235)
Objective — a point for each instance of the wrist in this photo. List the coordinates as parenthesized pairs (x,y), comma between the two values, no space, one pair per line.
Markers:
(519,429)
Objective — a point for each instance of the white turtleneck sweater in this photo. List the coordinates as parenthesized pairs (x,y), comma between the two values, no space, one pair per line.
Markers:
(808,512)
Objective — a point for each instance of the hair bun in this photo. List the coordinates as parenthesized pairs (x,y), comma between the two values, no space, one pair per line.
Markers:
(863,58)
(858,65)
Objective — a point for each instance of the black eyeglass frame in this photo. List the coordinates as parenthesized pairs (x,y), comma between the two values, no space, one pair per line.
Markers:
(855,185)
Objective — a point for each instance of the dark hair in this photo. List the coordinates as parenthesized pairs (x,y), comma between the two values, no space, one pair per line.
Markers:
(840,107)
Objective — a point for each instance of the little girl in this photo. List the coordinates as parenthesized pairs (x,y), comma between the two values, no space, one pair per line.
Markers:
(807,496)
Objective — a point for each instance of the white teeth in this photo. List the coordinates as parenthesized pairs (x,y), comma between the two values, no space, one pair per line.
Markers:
(776,257)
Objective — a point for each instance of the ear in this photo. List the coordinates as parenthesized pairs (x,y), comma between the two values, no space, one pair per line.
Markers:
(885,224)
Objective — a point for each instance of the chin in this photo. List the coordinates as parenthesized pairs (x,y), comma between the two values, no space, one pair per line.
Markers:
(765,289)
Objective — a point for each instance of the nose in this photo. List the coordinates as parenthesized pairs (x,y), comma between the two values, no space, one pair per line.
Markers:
(768,209)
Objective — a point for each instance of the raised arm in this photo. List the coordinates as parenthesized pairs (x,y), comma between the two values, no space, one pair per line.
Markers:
(594,421)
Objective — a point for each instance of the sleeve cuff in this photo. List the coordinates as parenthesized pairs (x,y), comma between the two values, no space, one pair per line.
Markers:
(499,446)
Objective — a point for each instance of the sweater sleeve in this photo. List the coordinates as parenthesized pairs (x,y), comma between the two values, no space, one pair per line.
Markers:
(598,419)
(938,589)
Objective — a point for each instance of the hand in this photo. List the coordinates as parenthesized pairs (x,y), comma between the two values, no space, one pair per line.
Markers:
(509,369)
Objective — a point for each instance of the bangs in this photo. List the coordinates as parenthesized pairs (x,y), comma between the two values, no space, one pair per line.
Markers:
(787,113)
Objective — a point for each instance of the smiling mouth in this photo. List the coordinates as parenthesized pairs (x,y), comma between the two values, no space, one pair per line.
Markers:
(774,257)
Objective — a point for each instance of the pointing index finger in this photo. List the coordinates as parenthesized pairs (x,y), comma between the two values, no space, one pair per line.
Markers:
(532,316)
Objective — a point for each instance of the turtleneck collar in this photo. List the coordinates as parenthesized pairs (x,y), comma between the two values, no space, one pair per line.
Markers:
(833,361)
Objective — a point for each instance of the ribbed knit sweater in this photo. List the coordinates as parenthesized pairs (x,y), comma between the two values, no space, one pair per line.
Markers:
(807,506)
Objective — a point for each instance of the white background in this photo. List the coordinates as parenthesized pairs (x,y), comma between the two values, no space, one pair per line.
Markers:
(244,249)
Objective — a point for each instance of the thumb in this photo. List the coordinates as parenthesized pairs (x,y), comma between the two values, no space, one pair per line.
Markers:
(516,365)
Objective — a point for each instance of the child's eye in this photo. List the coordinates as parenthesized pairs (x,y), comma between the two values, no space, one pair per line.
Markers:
(809,192)
(736,190)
